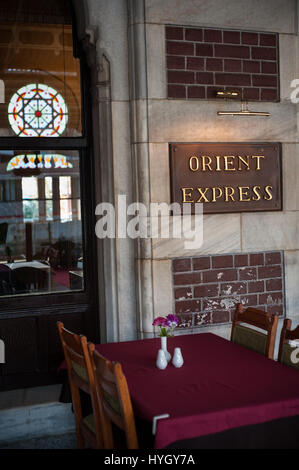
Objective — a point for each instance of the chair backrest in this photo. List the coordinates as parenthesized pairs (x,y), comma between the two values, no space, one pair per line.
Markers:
(114,398)
(285,348)
(81,376)
(260,342)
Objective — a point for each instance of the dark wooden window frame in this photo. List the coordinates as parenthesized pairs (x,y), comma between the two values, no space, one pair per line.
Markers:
(61,305)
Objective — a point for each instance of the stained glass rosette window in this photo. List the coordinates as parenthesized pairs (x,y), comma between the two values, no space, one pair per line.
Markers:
(37,110)
(46,161)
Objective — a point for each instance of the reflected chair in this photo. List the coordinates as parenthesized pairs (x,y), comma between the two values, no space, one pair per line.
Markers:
(261,342)
(114,399)
(5,280)
(285,347)
(28,278)
(81,377)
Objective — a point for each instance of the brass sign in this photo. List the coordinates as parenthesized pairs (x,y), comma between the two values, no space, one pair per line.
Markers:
(227,177)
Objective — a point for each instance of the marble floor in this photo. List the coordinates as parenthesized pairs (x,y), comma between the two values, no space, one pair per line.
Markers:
(60,441)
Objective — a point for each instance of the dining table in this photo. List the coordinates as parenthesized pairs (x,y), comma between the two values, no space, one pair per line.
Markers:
(222,390)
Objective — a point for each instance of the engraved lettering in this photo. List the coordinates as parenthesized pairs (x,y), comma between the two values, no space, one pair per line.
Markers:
(202,194)
(243,192)
(194,163)
(220,193)
(256,189)
(268,190)
(242,160)
(229,193)
(228,162)
(258,163)
(187,194)
(204,164)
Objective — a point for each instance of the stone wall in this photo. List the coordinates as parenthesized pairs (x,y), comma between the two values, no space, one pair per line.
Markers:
(182,119)
(145,120)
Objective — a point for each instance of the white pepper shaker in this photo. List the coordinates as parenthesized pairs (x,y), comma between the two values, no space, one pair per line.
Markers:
(161,362)
(177,360)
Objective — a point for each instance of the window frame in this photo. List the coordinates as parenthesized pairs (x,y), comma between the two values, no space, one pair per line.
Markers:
(48,303)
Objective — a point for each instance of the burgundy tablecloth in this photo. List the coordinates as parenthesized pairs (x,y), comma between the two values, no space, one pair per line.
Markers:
(221,386)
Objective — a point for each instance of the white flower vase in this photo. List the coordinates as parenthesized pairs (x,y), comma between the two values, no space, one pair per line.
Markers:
(164,348)
(161,362)
(177,360)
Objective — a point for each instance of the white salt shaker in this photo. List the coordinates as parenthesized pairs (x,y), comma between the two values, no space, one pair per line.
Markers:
(177,360)
(161,362)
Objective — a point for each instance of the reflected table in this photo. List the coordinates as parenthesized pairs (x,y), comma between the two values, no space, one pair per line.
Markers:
(32,264)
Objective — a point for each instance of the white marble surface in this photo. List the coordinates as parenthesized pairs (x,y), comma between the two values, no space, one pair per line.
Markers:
(122,166)
(156,61)
(291,286)
(221,234)
(197,121)
(290,175)
(270,231)
(288,45)
(122,158)
(159,172)
(110,17)
(146,298)
(35,421)
(162,287)
(140,134)
(263,15)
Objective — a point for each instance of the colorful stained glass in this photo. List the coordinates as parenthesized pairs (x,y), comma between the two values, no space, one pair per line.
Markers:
(37,110)
(38,161)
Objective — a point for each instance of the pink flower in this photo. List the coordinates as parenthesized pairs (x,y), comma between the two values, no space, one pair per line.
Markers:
(160,321)
(172,320)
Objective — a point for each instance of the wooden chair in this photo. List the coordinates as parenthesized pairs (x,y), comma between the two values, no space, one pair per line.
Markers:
(81,377)
(285,349)
(114,398)
(262,343)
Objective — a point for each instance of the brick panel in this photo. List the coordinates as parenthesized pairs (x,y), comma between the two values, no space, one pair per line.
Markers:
(231,37)
(256,258)
(214,65)
(207,288)
(182,293)
(176,91)
(181,265)
(250,38)
(222,261)
(231,65)
(196,92)
(193,34)
(174,33)
(195,63)
(213,35)
(242,52)
(221,60)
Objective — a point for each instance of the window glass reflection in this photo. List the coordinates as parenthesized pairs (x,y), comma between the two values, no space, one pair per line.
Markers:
(40,223)
(39,73)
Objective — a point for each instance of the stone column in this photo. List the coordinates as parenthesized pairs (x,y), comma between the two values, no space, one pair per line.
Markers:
(140,152)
